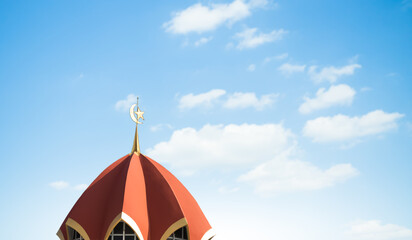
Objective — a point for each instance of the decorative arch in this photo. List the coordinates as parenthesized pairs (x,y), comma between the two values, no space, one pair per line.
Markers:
(123,217)
(182,223)
(180,234)
(70,223)
(122,231)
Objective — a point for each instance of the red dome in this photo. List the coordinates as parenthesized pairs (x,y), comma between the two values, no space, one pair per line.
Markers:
(139,191)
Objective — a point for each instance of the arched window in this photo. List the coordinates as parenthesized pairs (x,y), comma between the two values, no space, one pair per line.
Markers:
(122,231)
(179,234)
(74,235)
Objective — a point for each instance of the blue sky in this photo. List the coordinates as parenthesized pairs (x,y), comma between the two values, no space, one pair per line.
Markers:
(285,119)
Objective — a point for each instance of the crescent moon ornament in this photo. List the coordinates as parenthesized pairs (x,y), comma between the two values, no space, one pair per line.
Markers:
(136,115)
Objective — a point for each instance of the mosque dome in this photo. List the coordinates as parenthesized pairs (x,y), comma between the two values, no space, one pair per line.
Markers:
(136,198)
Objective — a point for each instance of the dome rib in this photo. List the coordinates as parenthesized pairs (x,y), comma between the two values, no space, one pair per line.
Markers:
(196,221)
(135,201)
(163,207)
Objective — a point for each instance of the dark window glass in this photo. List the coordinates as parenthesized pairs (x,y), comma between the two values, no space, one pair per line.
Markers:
(73,234)
(118,228)
(179,233)
(185,233)
(128,230)
(122,231)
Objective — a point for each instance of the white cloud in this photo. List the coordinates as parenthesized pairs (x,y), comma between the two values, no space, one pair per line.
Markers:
(81,187)
(237,100)
(251,67)
(336,95)
(59,185)
(250,38)
(245,100)
(375,230)
(199,18)
(283,174)
(270,147)
(202,41)
(125,104)
(288,68)
(341,127)
(331,73)
(223,145)
(258,3)
(204,99)
(278,57)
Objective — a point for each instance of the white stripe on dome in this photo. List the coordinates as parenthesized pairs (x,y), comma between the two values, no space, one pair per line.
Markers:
(209,234)
(127,219)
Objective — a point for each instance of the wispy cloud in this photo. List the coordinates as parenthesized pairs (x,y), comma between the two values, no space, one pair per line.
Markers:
(124,104)
(251,38)
(200,18)
(59,185)
(342,128)
(238,100)
(251,67)
(277,57)
(331,74)
(339,95)
(244,100)
(366,89)
(283,174)
(158,127)
(81,187)
(288,69)
(409,126)
(200,100)
(375,230)
(392,74)
(407,4)
(203,41)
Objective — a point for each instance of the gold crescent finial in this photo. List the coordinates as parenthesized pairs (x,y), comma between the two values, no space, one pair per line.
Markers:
(136,115)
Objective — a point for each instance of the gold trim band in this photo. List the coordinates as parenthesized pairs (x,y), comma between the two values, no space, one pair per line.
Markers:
(115,221)
(60,234)
(178,224)
(76,226)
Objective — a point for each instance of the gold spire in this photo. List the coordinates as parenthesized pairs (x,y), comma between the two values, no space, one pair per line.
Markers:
(136,115)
